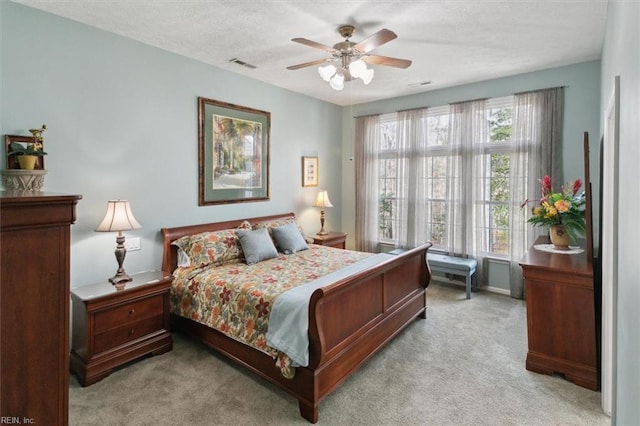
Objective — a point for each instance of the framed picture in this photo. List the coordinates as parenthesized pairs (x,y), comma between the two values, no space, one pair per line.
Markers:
(12,160)
(309,171)
(233,153)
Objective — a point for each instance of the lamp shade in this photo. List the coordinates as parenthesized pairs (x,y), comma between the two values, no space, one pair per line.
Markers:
(327,71)
(367,76)
(119,217)
(357,68)
(337,81)
(322,200)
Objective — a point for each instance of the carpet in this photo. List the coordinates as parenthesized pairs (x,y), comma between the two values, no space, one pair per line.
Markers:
(466,365)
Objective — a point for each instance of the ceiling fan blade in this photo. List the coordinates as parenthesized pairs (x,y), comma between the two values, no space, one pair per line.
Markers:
(314,44)
(385,60)
(308,64)
(378,39)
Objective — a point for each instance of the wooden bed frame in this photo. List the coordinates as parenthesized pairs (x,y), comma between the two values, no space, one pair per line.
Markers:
(343,331)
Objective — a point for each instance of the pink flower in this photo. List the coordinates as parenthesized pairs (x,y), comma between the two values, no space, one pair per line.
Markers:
(546,185)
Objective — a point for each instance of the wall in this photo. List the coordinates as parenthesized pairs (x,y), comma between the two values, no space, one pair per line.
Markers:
(581,113)
(621,56)
(122,123)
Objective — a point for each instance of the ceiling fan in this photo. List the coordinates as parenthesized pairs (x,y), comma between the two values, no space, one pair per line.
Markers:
(351,57)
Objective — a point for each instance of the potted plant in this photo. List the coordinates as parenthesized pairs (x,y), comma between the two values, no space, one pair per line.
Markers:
(27,154)
(561,212)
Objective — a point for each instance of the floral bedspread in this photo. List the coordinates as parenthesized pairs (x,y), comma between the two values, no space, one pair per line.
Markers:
(236,298)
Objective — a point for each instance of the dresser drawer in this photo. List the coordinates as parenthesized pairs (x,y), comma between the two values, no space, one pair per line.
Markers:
(128,313)
(126,333)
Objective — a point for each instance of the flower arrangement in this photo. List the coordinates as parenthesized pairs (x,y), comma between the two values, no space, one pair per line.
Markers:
(565,208)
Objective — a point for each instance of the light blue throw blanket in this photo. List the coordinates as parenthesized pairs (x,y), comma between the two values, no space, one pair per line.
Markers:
(288,329)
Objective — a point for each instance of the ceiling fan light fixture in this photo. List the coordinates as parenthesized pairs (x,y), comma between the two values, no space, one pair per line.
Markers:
(327,71)
(337,82)
(352,58)
(358,68)
(367,76)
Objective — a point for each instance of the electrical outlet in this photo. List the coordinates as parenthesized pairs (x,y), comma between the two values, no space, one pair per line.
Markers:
(132,244)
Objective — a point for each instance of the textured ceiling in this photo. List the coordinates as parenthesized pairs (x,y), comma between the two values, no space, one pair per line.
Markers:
(450,42)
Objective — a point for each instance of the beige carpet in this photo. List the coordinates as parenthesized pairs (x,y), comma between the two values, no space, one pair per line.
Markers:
(463,365)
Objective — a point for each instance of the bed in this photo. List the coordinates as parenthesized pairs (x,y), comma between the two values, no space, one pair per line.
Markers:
(348,319)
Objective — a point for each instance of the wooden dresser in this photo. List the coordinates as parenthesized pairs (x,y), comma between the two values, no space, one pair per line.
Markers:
(561,325)
(34,306)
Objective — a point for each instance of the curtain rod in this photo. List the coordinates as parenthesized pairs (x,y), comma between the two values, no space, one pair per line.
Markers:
(367,115)
(539,90)
(470,100)
(413,109)
(382,113)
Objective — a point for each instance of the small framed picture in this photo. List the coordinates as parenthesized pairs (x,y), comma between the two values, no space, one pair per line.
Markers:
(309,171)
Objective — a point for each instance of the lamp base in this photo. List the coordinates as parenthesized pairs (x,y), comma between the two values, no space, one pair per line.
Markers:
(120,277)
(322,232)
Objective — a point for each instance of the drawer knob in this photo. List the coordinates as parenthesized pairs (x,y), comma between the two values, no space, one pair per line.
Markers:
(131,331)
(132,311)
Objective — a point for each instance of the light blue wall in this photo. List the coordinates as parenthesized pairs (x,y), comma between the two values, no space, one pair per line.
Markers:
(621,57)
(122,123)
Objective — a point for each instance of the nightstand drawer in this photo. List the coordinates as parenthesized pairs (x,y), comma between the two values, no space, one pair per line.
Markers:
(128,332)
(127,313)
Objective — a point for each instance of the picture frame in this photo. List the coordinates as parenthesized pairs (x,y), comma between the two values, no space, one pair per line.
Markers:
(309,171)
(233,153)
(12,160)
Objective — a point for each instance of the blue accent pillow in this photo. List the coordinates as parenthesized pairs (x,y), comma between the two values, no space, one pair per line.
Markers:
(289,239)
(256,245)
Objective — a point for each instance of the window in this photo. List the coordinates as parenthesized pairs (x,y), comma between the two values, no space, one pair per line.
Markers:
(439,163)
(495,175)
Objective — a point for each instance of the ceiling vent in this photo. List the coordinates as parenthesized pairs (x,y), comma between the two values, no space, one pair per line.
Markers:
(421,83)
(242,63)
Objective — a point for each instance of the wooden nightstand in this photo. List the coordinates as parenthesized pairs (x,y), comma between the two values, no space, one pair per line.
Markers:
(112,327)
(332,239)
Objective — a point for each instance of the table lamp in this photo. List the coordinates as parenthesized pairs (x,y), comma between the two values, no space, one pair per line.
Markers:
(119,217)
(322,201)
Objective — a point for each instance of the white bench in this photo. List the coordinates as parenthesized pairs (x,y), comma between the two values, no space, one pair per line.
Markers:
(453,265)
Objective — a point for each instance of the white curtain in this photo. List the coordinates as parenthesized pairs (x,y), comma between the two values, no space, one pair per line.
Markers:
(367,137)
(537,135)
(466,217)
(411,137)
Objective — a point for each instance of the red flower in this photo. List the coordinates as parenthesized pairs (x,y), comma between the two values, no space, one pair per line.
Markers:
(262,308)
(577,184)
(194,287)
(229,241)
(225,295)
(546,185)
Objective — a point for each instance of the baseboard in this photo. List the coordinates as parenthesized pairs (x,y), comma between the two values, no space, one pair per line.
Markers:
(488,288)
(497,290)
